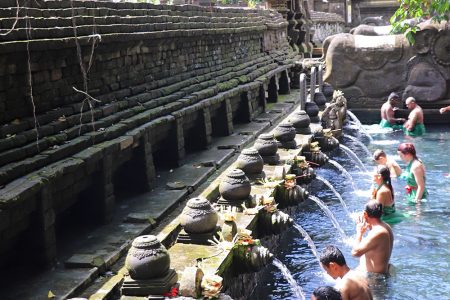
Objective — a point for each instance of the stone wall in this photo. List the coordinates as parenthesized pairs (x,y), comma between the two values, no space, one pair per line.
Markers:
(159,75)
(326,24)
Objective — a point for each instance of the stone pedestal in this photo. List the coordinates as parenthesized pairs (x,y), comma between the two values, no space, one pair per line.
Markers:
(149,287)
(197,238)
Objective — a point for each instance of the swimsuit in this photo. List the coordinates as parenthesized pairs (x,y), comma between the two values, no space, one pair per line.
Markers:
(386,124)
(411,184)
(390,216)
(418,130)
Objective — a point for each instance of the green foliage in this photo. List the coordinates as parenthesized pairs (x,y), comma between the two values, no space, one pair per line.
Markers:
(416,11)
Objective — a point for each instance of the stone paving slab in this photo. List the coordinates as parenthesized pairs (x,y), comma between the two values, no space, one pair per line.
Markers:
(62,283)
(208,158)
(282,107)
(189,175)
(235,141)
(271,117)
(254,128)
(158,202)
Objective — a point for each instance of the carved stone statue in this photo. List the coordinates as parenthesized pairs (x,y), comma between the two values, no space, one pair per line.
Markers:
(368,68)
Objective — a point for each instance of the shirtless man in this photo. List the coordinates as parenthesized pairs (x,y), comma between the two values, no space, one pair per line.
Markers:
(353,286)
(376,248)
(414,126)
(380,157)
(387,113)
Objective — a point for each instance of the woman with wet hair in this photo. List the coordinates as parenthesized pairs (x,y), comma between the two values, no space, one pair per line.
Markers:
(384,194)
(414,174)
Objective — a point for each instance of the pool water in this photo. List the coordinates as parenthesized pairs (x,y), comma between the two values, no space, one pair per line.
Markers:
(421,253)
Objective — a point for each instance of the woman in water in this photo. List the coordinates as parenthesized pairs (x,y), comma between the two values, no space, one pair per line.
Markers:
(384,194)
(414,174)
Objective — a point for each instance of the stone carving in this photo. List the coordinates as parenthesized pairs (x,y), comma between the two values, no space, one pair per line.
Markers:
(289,193)
(314,155)
(250,161)
(303,171)
(198,216)
(368,68)
(377,21)
(326,139)
(285,134)
(300,120)
(235,186)
(267,147)
(147,258)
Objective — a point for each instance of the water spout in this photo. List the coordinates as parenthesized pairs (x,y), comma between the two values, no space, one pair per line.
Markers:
(331,216)
(328,184)
(355,157)
(359,143)
(295,287)
(343,171)
(354,118)
(308,239)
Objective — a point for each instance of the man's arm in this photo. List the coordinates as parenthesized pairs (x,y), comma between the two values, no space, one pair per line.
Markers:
(412,120)
(360,247)
(396,167)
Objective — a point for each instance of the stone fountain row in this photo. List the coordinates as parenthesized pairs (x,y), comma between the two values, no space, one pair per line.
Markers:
(270,175)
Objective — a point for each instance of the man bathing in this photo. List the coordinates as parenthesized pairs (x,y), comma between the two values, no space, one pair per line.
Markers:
(387,113)
(353,286)
(414,125)
(375,249)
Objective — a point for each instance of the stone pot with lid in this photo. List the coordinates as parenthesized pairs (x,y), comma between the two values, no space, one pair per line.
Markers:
(250,161)
(284,132)
(235,186)
(198,216)
(266,144)
(147,258)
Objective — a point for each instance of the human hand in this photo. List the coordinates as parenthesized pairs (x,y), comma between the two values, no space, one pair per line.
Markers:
(362,225)
(395,108)
(442,110)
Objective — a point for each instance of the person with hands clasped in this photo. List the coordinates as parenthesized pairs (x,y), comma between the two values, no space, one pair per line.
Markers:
(375,249)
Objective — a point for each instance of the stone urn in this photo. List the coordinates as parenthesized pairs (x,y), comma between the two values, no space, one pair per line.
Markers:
(285,134)
(235,186)
(320,99)
(147,258)
(250,161)
(300,120)
(266,144)
(327,90)
(267,147)
(312,110)
(198,216)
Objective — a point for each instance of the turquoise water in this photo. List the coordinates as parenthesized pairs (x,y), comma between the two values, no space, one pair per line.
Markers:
(421,253)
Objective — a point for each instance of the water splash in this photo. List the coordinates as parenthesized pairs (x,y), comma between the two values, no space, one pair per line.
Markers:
(328,184)
(343,171)
(330,215)
(295,287)
(353,156)
(359,143)
(354,118)
(308,239)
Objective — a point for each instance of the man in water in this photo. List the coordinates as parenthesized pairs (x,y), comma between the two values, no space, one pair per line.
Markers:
(353,286)
(380,157)
(414,126)
(387,113)
(376,248)
(326,293)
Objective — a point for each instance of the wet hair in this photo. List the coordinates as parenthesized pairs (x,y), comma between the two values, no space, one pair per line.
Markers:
(374,209)
(393,96)
(378,153)
(332,254)
(410,99)
(327,293)
(407,148)
(386,176)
